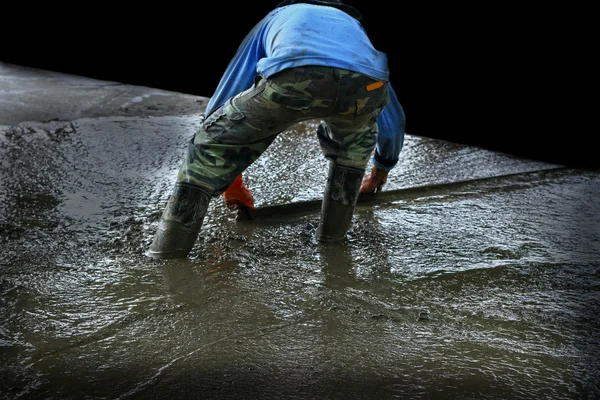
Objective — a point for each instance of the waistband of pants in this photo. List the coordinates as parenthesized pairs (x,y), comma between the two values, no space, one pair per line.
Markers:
(325,70)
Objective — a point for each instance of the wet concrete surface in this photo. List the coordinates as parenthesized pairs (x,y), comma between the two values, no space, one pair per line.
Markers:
(475,274)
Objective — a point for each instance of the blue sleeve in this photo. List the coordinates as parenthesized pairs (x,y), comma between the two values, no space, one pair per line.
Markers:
(391,123)
(241,71)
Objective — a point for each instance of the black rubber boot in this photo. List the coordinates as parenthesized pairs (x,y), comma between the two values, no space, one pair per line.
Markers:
(339,200)
(180,223)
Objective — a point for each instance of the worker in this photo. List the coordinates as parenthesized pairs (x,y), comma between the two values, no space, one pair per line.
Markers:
(304,60)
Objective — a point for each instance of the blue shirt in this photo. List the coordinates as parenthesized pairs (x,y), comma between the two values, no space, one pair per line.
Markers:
(307,34)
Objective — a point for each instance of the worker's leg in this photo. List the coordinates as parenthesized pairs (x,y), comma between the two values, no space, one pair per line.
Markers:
(180,222)
(227,144)
(346,147)
(348,139)
(347,162)
(229,140)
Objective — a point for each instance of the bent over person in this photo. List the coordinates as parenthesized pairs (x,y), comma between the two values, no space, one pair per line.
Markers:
(304,60)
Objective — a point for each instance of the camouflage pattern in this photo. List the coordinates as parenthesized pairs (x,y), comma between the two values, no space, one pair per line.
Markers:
(238,132)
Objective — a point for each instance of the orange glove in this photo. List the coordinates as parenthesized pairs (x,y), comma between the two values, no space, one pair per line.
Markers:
(374,181)
(238,197)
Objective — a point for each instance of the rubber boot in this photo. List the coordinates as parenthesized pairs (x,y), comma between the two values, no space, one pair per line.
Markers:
(339,200)
(180,223)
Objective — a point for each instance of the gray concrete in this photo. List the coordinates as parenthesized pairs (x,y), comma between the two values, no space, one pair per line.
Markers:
(475,274)
(30,94)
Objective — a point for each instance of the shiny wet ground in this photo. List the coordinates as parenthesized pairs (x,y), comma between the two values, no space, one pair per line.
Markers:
(482,289)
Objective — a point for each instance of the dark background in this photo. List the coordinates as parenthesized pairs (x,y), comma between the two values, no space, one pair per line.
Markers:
(486,75)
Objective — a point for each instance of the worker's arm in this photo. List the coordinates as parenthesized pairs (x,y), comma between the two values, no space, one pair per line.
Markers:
(390,139)
(241,70)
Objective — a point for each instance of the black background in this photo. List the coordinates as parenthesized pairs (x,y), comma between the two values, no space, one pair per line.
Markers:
(484,74)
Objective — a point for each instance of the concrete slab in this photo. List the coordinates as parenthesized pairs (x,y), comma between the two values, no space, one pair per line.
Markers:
(474,275)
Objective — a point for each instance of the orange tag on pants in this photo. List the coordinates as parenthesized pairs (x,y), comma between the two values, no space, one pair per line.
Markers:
(374,85)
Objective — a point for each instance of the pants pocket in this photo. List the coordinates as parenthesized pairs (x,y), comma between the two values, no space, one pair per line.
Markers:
(295,101)
(222,120)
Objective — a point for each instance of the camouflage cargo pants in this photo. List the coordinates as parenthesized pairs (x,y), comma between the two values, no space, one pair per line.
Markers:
(237,133)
